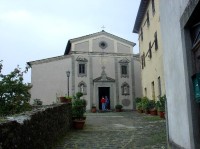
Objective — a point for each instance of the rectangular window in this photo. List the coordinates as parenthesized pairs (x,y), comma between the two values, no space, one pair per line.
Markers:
(124,70)
(150,53)
(153,90)
(145,92)
(156,41)
(81,68)
(148,22)
(159,87)
(153,7)
(141,34)
(142,61)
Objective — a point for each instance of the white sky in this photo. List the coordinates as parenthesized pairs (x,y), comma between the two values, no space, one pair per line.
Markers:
(36,29)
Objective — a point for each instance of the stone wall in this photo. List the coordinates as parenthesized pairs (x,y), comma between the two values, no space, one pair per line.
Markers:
(39,128)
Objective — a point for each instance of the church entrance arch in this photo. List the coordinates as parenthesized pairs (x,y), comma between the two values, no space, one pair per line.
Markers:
(104,91)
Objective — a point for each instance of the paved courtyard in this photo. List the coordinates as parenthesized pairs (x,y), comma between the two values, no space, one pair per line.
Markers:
(117,130)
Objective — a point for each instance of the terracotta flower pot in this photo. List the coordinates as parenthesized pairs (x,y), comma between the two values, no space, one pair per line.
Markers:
(63,99)
(118,110)
(162,114)
(78,124)
(153,112)
(94,110)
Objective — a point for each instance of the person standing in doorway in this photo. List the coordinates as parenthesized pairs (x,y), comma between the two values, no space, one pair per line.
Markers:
(107,102)
(103,103)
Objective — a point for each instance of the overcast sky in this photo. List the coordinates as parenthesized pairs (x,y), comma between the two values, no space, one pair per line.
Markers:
(37,29)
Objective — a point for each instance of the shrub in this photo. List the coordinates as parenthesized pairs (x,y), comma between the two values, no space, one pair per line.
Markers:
(137,100)
(118,106)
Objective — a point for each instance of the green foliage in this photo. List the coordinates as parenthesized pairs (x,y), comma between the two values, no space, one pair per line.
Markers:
(79,95)
(161,103)
(118,106)
(14,94)
(145,103)
(139,106)
(152,104)
(37,102)
(78,106)
(138,99)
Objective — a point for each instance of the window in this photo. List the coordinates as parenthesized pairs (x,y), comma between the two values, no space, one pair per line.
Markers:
(124,67)
(159,88)
(148,22)
(145,92)
(143,60)
(141,34)
(82,87)
(153,7)
(153,90)
(124,70)
(125,88)
(156,41)
(82,66)
(150,53)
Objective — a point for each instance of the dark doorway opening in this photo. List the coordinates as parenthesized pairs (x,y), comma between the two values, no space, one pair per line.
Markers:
(104,91)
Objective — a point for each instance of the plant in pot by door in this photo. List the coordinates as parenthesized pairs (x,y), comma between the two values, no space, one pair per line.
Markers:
(145,105)
(139,107)
(78,110)
(161,106)
(94,109)
(68,99)
(118,108)
(139,104)
(152,107)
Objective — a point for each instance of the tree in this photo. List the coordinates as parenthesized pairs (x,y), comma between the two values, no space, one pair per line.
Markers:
(14,94)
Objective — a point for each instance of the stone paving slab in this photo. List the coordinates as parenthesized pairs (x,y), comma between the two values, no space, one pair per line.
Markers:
(117,130)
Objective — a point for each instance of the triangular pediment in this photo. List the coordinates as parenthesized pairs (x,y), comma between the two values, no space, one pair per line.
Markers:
(124,60)
(95,35)
(82,59)
(102,79)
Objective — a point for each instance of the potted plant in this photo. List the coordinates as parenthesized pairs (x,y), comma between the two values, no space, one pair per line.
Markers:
(62,99)
(139,107)
(78,110)
(118,108)
(145,105)
(152,107)
(94,109)
(161,106)
(68,99)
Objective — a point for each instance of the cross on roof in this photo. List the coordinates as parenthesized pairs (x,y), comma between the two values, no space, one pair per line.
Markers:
(103,27)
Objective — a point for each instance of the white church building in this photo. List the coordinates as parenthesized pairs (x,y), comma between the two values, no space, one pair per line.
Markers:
(99,64)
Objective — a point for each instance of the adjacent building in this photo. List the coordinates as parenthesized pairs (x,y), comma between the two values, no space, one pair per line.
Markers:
(99,64)
(147,26)
(180,25)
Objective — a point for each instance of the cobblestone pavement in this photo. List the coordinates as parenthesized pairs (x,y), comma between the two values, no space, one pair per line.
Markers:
(117,130)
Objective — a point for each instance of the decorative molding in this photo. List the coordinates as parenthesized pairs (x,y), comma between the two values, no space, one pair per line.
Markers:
(81,59)
(82,87)
(125,89)
(126,102)
(103,44)
(124,60)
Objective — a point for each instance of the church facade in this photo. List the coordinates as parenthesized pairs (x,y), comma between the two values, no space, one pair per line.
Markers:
(99,64)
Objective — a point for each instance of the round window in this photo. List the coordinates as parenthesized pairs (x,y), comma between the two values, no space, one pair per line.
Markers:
(103,44)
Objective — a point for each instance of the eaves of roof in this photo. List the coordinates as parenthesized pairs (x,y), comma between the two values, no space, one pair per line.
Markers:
(140,15)
(47,60)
